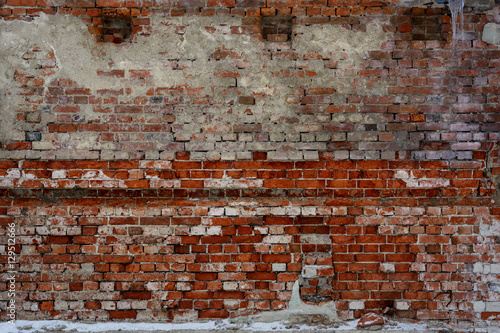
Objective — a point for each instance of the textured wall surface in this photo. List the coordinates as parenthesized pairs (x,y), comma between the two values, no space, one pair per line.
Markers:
(192,159)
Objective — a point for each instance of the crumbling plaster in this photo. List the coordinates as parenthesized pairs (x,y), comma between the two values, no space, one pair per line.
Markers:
(78,58)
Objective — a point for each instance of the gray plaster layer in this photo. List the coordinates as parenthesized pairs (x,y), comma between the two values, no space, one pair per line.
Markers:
(71,43)
(78,58)
(420,3)
(480,5)
(334,40)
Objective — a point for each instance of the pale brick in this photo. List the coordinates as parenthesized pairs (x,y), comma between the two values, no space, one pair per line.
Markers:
(356,305)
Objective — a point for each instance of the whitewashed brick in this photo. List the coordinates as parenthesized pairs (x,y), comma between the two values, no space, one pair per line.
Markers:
(357,305)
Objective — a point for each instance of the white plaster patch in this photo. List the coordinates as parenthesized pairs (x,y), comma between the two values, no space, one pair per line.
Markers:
(244,203)
(13,173)
(217,211)
(165,183)
(492,306)
(230,303)
(402,305)
(278,211)
(424,182)
(277,239)
(384,267)
(311,271)
(495,268)
(231,211)
(198,230)
(6,183)
(30,306)
(479,306)
(260,230)
(59,174)
(233,183)
(357,305)
(28,175)
(214,230)
(309,211)
(407,177)
(477,267)
(432,183)
(213,267)
(491,33)
(108,305)
(279,267)
(315,239)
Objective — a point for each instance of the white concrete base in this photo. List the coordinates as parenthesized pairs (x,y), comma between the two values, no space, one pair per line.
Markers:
(491,33)
(296,307)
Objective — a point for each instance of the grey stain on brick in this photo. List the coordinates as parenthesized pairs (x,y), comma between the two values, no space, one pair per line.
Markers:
(33,136)
(155,100)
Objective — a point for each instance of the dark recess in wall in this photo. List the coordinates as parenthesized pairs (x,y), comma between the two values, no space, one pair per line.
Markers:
(115,29)
(426,27)
(277,28)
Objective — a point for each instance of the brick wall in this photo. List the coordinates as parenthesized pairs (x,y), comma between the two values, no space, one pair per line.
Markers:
(183,160)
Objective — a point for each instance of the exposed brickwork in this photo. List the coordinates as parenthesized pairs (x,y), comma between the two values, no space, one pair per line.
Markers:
(218,239)
(202,179)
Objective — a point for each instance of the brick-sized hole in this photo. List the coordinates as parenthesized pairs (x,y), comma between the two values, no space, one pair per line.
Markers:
(116,28)
(427,27)
(277,28)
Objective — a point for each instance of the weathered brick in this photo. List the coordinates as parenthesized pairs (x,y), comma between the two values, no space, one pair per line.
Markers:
(123,314)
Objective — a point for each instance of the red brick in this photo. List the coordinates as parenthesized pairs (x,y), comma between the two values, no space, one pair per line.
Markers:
(278,220)
(84,240)
(261,294)
(186,220)
(279,183)
(136,183)
(276,258)
(92,305)
(136,295)
(123,164)
(28,3)
(56,258)
(112,73)
(212,314)
(205,277)
(76,286)
(308,220)
(46,306)
(123,314)
(229,295)
(128,109)
(247,100)
(123,220)
(261,276)
(155,220)
(215,239)
(59,239)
